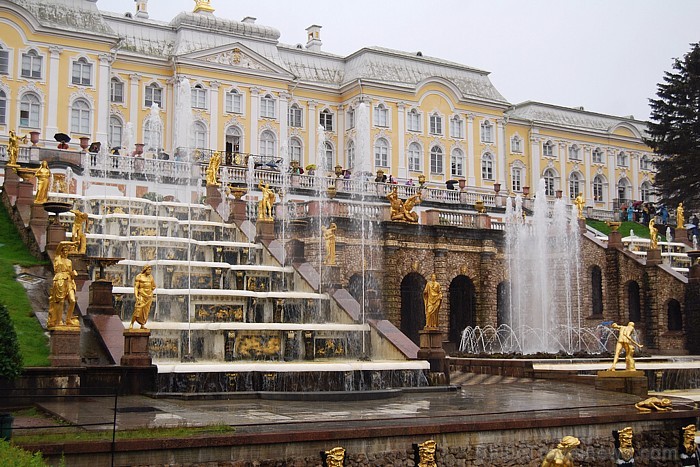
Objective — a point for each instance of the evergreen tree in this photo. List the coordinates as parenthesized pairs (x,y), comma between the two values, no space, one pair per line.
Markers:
(10,358)
(674,133)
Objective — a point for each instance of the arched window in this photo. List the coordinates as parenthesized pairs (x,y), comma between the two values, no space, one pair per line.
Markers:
(295,149)
(350,151)
(516,174)
(116,91)
(436,160)
(598,184)
(413,120)
(4,61)
(199,131)
(82,72)
(574,185)
(646,192)
(435,124)
(624,191)
(267,106)
(115,132)
(29,110)
(487,166)
(549,182)
(234,102)
(414,157)
(486,132)
(597,156)
(516,144)
(328,154)
(597,291)
(675,318)
(381,153)
(457,127)
(645,163)
(153,95)
(326,120)
(31,64)
(80,117)
(622,160)
(548,149)
(199,97)
(457,163)
(575,153)
(233,141)
(268,144)
(381,116)
(3,108)
(295,116)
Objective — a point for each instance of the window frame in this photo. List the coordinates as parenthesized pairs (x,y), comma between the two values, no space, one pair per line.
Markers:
(487,167)
(381,152)
(381,116)
(415,158)
(234,101)
(270,151)
(112,131)
(80,118)
(149,95)
(328,154)
(457,127)
(574,185)
(622,159)
(35,60)
(295,116)
(548,149)
(81,72)
(516,144)
(350,154)
(325,119)
(597,156)
(268,106)
(296,149)
(486,128)
(31,115)
(199,97)
(350,118)
(413,120)
(437,160)
(457,159)
(5,52)
(598,189)
(574,152)
(435,127)
(550,182)
(516,179)
(114,84)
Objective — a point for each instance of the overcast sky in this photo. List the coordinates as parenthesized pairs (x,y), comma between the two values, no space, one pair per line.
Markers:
(604,55)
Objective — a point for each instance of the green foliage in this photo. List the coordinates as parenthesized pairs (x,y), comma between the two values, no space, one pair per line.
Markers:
(141,433)
(10,358)
(674,133)
(640,230)
(152,196)
(12,456)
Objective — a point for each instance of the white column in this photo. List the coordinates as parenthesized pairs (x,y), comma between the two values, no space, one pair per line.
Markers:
(634,168)
(54,76)
(254,116)
(535,168)
(501,151)
(340,148)
(103,98)
(401,132)
(471,140)
(134,100)
(612,182)
(312,125)
(284,122)
(169,111)
(214,116)
(587,161)
(564,174)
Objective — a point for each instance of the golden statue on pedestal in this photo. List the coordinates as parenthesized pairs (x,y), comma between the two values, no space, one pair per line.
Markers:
(202,5)
(329,238)
(426,454)
(13,148)
(43,180)
(561,455)
(144,286)
(432,298)
(625,341)
(62,289)
(653,235)
(403,210)
(212,173)
(78,233)
(680,217)
(688,451)
(266,202)
(579,202)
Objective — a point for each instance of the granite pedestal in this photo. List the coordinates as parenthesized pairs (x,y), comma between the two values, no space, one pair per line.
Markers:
(64,346)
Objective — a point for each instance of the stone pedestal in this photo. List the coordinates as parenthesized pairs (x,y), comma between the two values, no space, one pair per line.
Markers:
(64,343)
(265,230)
(483,221)
(238,210)
(39,216)
(615,240)
(25,199)
(11,183)
(101,298)
(330,278)
(582,226)
(653,257)
(80,265)
(136,348)
(55,234)
(213,196)
(432,351)
(629,381)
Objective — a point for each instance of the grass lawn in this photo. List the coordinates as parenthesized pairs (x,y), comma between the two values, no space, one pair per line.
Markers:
(106,435)
(640,230)
(32,341)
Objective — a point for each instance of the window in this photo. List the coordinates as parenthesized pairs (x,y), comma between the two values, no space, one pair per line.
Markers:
(267,144)
(414,157)
(598,188)
(350,154)
(645,191)
(549,178)
(457,163)
(516,144)
(234,102)
(622,159)
(328,153)
(597,156)
(413,120)
(457,127)
(436,160)
(199,97)
(115,132)
(80,117)
(295,116)
(574,185)
(435,124)
(548,149)
(381,116)
(116,91)
(633,302)
(154,95)
(267,106)
(381,153)
(645,163)
(326,120)
(82,72)
(295,149)
(29,110)
(3,108)
(350,119)
(574,153)
(516,177)
(152,135)
(4,61)
(487,166)
(31,64)
(199,131)
(486,132)
(624,190)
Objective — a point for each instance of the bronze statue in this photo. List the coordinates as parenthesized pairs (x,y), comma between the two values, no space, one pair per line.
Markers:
(329,237)
(43,180)
(654,403)
(680,217)
(144,286)
(625,341)
(561,455)
(653,235)
(432,298)
(688,450)
(78,233)
(624,451)
(62,289)
(212,173)
(266,202)
(13,148)
(580,203)
(335,457)
(426,454)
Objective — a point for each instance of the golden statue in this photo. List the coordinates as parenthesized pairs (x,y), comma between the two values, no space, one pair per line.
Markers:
(653,235)
(403,210)
(561,455)
(78,233)
(329,237)
(625,341)
(202,5)
(335,457)
(395,205)
(408,206)
(680,217)
(212,173)
(654,403)
(43,180)
(432,298)
(62,289)
(426,454)
(144,286)
(13,148)
(579,202)
(688,450)
(266,202)
(624,451)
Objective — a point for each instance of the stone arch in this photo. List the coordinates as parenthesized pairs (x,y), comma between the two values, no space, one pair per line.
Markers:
(596,291)
(412,306)
(674,315)
(634,302)
(462,298)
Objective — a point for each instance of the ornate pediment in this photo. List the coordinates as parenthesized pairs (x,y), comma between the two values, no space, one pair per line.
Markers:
(236,58)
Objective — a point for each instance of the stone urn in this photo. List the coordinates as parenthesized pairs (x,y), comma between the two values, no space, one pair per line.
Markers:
(462,183)
(331,191)
(34,137)
(238,192)
(421,179)
(497,187)
(338,170)
(84,143)
(139,148)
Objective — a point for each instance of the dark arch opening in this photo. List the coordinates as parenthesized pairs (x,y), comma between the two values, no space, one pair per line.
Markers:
(462,307)
(634,304)
(412,306)
(675,319)
(597,291)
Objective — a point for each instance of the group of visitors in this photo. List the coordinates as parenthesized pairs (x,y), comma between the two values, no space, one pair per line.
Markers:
(642,212)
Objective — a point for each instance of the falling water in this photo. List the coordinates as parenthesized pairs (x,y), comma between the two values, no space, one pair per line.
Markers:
(183,120)
(154,125)
(128,140)
(321,186)
(362,168)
